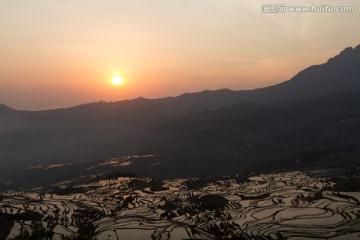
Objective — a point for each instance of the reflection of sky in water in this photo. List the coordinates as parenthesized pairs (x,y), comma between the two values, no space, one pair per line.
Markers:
(282,203)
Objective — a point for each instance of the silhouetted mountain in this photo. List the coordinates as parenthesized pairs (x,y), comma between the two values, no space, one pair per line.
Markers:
(190,133)
(5,109)
(338,74)
(341,73)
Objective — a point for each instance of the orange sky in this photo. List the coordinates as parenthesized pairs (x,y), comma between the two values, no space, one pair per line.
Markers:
(59,53)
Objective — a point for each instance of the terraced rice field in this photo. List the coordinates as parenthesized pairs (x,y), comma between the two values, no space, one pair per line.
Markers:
(291,205)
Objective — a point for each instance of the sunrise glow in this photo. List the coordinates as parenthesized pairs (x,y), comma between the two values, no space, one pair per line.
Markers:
(117,80)
(158,48)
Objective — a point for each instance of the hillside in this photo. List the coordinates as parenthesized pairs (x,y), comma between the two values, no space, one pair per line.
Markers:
(207,132)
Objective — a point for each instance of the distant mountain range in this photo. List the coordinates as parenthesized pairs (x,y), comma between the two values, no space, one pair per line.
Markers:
(314,115)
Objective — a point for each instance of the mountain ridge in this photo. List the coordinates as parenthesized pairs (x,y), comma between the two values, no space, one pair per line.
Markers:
(349,58)
(105,130)
(5,108)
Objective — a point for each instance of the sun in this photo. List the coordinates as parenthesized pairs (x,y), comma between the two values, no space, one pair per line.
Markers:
(117,80)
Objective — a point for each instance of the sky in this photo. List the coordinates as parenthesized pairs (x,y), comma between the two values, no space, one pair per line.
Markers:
(61,53)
